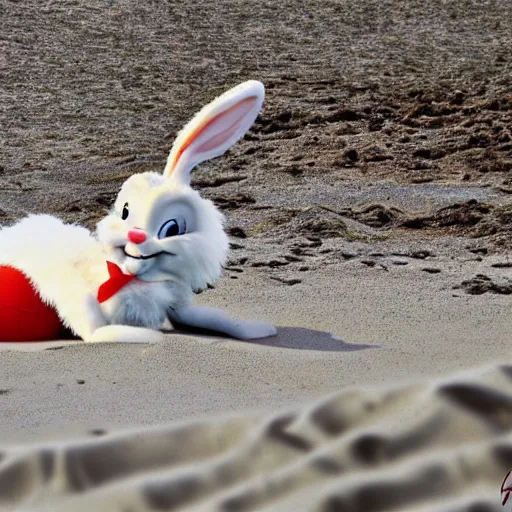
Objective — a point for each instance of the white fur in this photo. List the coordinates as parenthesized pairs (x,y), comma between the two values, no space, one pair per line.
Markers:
(67,263)
(125,334)
(242,102)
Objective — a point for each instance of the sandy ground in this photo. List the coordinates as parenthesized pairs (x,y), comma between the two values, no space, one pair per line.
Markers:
(370,212)
(384,331)
(437,445)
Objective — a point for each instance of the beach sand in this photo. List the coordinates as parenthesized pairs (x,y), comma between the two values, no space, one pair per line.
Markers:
(369,211)
(359,403)
(434,445)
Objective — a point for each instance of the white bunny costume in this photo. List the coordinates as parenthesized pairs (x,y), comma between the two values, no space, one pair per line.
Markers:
(160,243)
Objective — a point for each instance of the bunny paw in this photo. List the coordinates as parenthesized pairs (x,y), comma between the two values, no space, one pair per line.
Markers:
(254,330)
(125,334)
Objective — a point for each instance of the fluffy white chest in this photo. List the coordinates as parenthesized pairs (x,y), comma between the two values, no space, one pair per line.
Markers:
(142,304)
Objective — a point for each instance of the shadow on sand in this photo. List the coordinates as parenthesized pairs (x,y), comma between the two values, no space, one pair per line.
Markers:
(297,338)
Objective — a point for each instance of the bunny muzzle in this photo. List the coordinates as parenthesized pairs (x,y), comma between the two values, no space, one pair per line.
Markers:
(141,257)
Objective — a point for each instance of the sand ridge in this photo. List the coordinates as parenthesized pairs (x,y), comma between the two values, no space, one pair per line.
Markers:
(439,445)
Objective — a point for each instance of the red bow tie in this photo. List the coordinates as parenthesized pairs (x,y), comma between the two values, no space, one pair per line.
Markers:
(114,284)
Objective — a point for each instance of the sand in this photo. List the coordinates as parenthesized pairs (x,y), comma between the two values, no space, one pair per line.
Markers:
(369,210)
(392,326)
(435,445)
(380,416)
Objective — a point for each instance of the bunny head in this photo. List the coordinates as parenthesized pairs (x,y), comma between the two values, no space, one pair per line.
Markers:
(162,229)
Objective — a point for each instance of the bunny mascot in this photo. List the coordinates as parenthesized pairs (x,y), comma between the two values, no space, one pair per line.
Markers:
(160,243)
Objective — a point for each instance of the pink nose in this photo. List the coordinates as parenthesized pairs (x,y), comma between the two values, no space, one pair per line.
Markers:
(137,236)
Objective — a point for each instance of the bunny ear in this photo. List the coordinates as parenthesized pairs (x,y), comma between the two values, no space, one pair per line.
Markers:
(215,129)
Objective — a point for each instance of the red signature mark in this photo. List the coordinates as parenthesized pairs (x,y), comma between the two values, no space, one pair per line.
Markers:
(506,488)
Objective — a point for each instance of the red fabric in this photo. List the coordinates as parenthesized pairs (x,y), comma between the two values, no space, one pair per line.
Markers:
(114,284)
(23,315)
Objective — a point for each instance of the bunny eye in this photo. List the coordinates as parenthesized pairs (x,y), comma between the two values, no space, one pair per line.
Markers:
(172,228)
(125,212)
